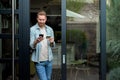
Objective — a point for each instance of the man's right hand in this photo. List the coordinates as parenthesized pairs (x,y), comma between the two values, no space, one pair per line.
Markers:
(38,40)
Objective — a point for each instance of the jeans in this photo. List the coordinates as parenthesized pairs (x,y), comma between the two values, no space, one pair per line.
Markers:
(44,70)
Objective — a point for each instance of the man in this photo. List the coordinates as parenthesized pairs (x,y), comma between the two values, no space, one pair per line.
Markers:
(41,40)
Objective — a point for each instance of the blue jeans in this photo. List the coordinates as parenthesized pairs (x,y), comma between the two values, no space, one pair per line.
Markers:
(44,70)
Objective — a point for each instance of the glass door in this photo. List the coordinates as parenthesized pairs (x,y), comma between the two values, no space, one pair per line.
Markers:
(8,40)
(83,37)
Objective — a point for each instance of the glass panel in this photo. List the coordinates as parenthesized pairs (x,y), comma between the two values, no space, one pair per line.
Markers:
(83,39)
(7,4)
(53,10)
(6,48)
(6,59)
(113,39)
(6,71)
(6,23)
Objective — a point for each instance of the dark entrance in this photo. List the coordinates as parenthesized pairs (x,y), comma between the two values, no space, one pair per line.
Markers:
(14,39)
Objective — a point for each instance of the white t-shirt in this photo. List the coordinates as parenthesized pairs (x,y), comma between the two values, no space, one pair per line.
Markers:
(44,48)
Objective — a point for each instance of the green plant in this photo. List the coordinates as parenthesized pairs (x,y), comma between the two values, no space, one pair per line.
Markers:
(75,5)
(77,37)
(113,35)
(113,20)
(114,74)
(113,50)
(113,46)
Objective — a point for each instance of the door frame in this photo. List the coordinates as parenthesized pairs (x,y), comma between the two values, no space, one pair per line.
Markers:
(103,40)
(63,46)
(24,24)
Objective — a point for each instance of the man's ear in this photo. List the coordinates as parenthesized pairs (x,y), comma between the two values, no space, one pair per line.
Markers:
(46,18)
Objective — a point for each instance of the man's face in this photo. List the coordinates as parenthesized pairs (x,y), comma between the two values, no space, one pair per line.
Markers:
(41,20)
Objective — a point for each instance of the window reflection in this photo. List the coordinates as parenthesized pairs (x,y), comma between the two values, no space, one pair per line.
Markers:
(6,23)
(83,39)
(7,4)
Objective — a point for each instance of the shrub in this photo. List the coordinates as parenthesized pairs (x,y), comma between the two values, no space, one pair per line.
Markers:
(114,74)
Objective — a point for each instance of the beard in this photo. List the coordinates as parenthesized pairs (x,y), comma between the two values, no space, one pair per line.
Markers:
(41,24)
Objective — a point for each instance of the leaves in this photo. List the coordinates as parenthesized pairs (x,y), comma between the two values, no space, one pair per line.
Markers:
(75,5)
(76,36)
(113,19)
(114,74)
(113,47)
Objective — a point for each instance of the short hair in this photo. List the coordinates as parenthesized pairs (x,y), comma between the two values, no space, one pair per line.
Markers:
(41,12)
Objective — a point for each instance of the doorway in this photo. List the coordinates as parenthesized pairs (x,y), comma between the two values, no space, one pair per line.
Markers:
(53,10)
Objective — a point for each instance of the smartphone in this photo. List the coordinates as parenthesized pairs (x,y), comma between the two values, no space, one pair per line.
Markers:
(48,36)
(41,35)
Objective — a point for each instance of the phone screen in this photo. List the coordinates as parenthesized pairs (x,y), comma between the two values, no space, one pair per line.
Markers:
(48,36)
(41,35)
